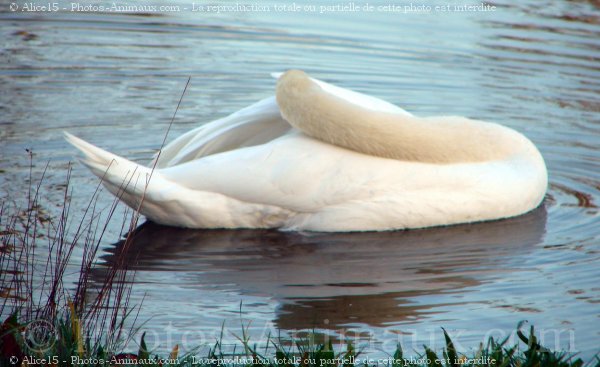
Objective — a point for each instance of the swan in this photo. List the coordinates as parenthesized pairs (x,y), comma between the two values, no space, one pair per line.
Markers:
(317,157)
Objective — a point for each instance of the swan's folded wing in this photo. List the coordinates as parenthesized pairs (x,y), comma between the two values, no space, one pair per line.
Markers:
(253,125)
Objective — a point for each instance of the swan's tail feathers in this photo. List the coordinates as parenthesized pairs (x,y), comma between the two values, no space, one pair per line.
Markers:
(125,179)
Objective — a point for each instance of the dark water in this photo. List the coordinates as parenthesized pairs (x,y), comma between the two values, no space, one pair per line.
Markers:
(114,79)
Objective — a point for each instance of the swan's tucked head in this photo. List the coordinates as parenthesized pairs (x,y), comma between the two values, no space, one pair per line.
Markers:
(294,84)
(306,106)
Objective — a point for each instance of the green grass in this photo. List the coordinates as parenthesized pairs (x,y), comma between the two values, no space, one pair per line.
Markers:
(48,324)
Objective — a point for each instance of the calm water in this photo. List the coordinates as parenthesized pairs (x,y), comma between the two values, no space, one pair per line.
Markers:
(115,78)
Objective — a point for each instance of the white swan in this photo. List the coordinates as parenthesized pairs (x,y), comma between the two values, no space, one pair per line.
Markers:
(321,158)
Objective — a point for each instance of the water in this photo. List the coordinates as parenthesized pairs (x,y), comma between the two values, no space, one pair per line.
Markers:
(114,79)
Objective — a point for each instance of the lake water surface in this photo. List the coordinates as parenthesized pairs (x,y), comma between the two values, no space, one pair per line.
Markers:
(114,79)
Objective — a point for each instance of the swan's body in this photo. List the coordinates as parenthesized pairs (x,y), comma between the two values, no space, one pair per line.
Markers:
(321,158)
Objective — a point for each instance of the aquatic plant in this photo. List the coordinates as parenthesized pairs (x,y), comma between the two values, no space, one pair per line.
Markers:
(43,319)
(40,313)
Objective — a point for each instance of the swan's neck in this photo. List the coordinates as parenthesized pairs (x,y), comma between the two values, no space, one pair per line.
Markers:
(331,119)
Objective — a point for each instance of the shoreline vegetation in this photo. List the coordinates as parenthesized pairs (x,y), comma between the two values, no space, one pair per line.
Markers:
(46,322)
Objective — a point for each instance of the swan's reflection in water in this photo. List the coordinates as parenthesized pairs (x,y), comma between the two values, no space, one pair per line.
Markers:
(331,280)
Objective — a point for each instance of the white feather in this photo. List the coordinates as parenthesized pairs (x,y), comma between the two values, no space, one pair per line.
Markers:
(253,170)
